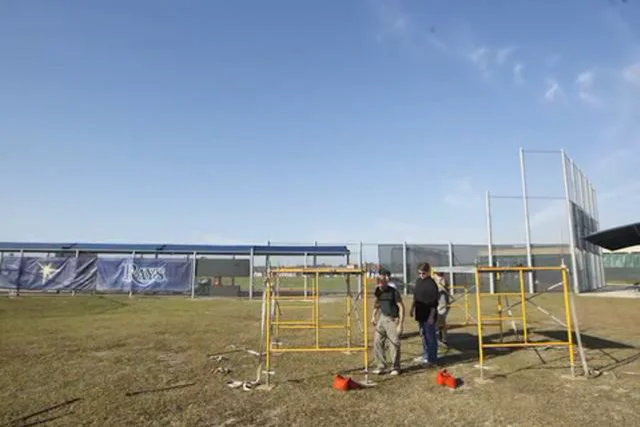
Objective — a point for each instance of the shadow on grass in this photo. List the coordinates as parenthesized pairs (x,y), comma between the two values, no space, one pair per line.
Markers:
(113,305)
(155,390)
(463,348)
(24,421)
(588,341)
(619,363)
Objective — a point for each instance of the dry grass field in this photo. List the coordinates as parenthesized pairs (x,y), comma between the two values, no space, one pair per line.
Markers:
(144,361)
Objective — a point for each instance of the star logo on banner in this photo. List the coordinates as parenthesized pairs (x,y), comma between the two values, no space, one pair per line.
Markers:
(47,270)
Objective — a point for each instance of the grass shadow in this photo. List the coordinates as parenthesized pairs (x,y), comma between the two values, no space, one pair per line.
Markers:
(114,304)
(24,421)
(155,390)
(590,342)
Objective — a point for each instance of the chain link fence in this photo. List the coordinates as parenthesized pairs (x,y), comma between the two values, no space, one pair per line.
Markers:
(230,275)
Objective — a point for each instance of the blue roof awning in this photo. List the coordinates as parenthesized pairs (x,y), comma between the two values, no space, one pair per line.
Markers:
(174,248)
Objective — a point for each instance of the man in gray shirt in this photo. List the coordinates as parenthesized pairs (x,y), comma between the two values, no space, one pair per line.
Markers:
(388,318)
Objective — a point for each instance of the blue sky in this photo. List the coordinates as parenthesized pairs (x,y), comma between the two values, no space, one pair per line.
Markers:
(244,121)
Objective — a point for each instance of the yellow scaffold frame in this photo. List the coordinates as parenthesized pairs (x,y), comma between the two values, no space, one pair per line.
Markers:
(523,301)
(273,300)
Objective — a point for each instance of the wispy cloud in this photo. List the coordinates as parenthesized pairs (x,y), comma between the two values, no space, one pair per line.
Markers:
(553,91)
(459,192)
(552,60)
(585,82)
(518,71)
(397,25)
(479,57)
(503,54)
(631,74)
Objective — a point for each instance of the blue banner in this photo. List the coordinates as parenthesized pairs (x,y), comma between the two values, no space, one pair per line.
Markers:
(91,273)
(9,272)
(144,275)
(39,273)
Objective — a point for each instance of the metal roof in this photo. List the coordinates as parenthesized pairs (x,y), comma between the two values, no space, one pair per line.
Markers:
(173,248)
(616,238)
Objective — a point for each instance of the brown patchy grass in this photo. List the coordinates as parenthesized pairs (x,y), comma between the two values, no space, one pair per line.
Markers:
(57,348)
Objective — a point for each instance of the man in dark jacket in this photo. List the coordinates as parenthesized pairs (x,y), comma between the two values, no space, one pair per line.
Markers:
(425,310)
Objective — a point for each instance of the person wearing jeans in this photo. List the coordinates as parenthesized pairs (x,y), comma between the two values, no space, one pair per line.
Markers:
(424,310)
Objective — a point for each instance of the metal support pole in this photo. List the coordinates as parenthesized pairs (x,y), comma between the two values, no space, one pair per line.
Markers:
(233,278)
(19,272)
(596,213)
(252,268)
(405,278)
(315,256)
(591,272)
(492,285)
(361,278)
(133,261)
(570,221)
(267,260)
(451,276)
(595,273)
(527,226)
(584,254)
(365,313)
(577,202)
(193,275)
(73,291)
(305,277)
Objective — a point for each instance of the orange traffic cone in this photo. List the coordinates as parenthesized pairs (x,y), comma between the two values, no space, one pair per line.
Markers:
(341,383)
(451,382)
(442,376)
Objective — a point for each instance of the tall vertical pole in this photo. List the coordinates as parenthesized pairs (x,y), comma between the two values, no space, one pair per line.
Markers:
(596,227)
(577,221)
(451,277)
(305,277)
(252,268)
(593,269)
(20,269)
(527,225)
(315,256)
(405,278)
(596,214)
(492,285)
(361,277)
(267,260)
(193,275)
(73,291)
(570,221)
(587,210)
(133,261)
(584,254)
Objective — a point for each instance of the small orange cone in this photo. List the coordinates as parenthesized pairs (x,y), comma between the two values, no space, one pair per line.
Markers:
(451,382)
(341,383)
(442,376)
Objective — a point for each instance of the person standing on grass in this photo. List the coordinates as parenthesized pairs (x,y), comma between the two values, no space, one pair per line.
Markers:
(387,318)
(425,311)
(443,307)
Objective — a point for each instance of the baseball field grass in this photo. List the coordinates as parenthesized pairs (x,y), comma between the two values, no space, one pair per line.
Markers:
(149,361)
